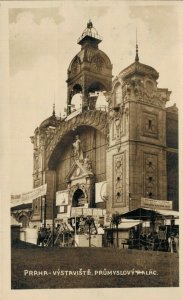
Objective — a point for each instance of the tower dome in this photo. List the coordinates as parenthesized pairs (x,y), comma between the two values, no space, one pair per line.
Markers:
(51,121)
(90,70)
(138,69)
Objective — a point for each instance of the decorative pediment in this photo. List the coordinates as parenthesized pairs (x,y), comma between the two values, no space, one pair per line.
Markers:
(79,169)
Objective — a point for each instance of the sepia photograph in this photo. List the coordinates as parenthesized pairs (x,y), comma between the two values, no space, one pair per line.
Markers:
(93,134)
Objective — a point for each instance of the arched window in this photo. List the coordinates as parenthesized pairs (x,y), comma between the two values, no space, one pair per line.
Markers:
(117,94)
(75,68)
(76,98)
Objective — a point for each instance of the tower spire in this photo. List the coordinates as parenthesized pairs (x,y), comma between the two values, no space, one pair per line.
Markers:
(89,24)
(137,51)
(53,110)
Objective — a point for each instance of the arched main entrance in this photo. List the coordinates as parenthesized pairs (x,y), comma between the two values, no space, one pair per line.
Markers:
(24,220)
(79,198)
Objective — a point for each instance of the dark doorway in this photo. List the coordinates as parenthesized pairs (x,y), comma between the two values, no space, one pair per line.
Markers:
(24,220)
(79,198)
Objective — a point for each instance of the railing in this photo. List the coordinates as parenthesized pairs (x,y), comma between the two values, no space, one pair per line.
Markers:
(88,32)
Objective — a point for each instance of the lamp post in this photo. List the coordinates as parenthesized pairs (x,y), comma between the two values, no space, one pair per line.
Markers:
(44,210)
(53,223)
(89,221)
(116,221)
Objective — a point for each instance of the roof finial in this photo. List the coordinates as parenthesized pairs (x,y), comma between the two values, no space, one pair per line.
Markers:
(53,109)
(137,52)
(89,24)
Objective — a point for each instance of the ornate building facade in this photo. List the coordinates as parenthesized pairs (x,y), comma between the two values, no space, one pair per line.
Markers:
(128,145)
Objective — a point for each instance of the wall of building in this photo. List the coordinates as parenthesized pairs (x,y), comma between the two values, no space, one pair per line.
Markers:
(172,156)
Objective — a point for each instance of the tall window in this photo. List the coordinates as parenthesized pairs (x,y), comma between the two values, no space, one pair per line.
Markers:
(118,94)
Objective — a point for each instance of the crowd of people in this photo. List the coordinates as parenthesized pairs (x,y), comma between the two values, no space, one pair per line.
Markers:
(155,242)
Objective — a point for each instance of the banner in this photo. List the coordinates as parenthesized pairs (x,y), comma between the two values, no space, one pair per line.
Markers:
(29,196)
(100,191)
(62,197)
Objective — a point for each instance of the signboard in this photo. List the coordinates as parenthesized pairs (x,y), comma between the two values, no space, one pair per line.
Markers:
(98,212)
(64,212)
(78,211)
(62,209)
(62,197)
(29,196)
(156,204)
(100,191)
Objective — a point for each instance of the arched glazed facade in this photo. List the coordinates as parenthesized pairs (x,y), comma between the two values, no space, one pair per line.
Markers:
(93,143)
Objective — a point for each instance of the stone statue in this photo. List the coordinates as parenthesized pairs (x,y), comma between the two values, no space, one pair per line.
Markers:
(87,163)
(78,153)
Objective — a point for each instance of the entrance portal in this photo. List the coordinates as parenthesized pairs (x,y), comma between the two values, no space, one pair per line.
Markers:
(24,220)
(79,198)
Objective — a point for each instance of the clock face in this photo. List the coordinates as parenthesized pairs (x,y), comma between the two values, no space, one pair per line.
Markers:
(97,63)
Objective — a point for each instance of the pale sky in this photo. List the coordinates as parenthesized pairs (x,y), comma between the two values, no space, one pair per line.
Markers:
(43,41)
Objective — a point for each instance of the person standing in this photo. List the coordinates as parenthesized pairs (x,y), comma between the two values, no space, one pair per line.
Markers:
(176,241)
(170,244)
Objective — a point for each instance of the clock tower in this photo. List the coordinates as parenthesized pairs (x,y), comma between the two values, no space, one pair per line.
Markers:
(90,71)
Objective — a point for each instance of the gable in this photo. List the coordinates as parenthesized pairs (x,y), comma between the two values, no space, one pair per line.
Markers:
(79,170)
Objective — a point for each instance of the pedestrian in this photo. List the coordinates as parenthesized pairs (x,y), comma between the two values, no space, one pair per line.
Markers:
(38,237)
(170,244)
(176,243)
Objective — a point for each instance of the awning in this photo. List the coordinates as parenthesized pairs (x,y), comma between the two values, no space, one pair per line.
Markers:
(170,213)
(127,224)
(26,206)
(147,214)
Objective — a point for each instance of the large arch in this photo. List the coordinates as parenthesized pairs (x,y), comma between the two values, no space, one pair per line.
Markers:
(67,130)
(93,144)
(66,141)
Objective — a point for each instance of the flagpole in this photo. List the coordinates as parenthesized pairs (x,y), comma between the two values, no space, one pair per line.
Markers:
(53,221)
(44,211)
